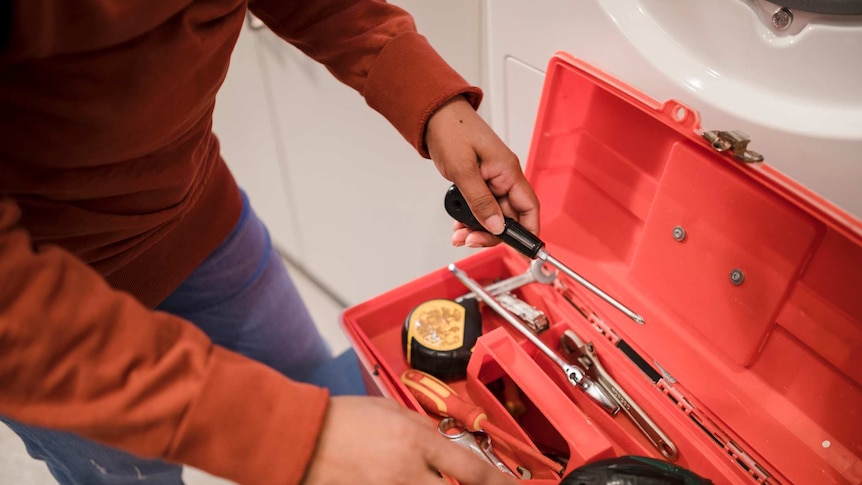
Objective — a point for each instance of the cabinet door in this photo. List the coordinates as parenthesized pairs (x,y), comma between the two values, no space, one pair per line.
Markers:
(369,208)
(243,122)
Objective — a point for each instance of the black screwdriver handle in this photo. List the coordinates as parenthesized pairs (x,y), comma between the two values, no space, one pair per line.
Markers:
(514,234)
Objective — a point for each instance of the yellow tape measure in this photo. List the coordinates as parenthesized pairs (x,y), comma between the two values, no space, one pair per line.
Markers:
(439,335)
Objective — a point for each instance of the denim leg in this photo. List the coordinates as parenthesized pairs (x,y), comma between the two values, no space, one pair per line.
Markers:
(243,298)
(73,460)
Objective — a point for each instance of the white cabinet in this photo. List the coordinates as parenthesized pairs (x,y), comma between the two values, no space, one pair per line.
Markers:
(243,123)
(349,198)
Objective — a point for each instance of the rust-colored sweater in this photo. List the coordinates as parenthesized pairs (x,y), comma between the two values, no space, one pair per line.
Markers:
(112,190)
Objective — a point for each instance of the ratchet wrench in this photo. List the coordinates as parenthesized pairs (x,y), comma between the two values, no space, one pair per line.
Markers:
(575,375)
(590,360)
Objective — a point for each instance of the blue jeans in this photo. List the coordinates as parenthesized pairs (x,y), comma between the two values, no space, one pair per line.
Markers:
(244,299)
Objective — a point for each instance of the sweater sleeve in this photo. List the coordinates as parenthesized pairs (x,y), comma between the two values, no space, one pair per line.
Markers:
(374,48)
(81,357)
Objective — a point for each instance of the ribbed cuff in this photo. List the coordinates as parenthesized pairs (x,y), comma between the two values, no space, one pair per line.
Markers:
(250,424)
(409,81)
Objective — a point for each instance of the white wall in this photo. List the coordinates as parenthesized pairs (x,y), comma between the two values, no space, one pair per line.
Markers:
(342,192)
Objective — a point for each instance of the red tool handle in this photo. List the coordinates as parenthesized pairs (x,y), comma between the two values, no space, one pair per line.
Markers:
(435,396)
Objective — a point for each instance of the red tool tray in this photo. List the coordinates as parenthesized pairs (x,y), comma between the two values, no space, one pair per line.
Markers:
(759,382)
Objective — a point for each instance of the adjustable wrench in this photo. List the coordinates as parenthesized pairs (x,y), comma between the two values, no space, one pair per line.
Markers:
(590,360)
(576,376)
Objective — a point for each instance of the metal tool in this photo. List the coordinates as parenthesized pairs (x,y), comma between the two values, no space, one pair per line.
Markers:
(590,360)
(527,243)
(576,376)
(479,443)
(534,274)
(530,315)
(436,397)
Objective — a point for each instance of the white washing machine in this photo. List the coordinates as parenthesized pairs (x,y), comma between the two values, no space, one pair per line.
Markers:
(789,76)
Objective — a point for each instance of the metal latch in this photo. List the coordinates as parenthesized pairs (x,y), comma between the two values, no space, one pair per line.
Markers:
(734,140)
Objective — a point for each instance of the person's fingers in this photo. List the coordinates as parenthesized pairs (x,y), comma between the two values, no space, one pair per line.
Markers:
(452,135)
(418,418)
(430,478)
(469,153)
(481,201)
(441,455)
(412,449)
(464,236)
(458,163)
(459,236)
(479,239)
(523,202)
(504,177)
(462,465)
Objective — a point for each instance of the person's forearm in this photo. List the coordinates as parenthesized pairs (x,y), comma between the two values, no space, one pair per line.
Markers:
(373,47)
(78,356)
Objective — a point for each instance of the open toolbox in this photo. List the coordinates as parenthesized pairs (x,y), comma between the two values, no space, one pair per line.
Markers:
(750,356)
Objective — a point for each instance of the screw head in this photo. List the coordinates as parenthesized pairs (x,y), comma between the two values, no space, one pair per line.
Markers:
(782,18)
(679,233)
(737,277)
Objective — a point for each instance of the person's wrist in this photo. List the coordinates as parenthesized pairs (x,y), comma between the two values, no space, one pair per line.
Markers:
(454,105)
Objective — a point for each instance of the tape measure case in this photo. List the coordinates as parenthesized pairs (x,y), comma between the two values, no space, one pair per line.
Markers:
(750,357)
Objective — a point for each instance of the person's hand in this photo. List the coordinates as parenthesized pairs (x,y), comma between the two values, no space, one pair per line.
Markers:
(467,152)
(374,440)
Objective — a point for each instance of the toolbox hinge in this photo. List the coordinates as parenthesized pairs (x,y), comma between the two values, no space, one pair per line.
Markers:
(734,140)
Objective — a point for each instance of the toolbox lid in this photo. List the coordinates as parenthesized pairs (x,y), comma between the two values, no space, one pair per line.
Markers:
(750,284)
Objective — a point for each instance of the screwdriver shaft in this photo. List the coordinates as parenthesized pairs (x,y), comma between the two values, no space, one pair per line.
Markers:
(544,256)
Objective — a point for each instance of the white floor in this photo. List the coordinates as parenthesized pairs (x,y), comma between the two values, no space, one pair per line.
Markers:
(17,468)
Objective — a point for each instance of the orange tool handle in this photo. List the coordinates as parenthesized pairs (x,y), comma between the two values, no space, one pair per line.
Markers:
(436,397)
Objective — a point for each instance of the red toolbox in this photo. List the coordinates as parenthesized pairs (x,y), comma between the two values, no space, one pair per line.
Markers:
(750,357)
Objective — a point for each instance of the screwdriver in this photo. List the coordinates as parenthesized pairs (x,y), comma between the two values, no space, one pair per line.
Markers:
(519,238)
(438,398)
